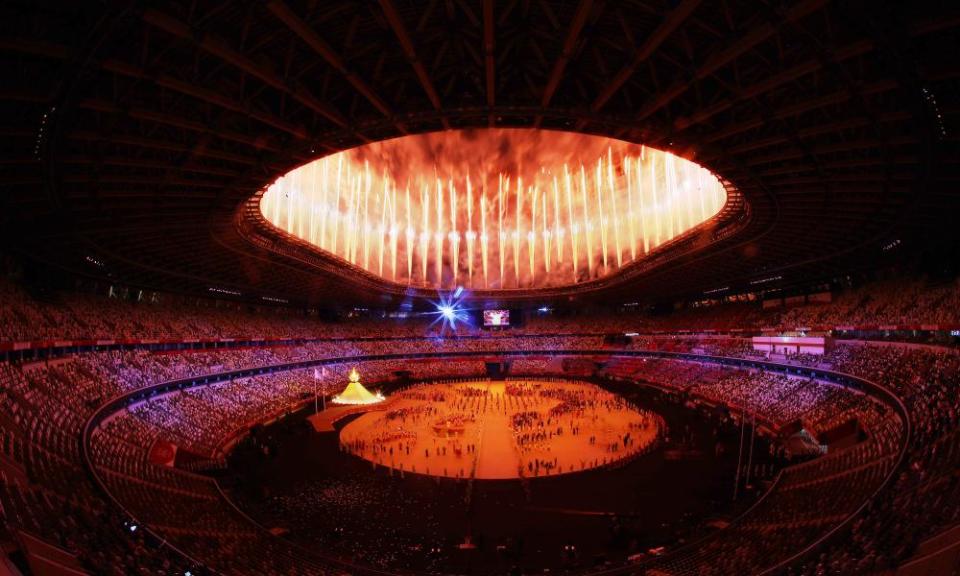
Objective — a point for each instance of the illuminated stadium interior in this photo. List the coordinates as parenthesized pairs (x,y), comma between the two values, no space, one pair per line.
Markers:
(479,288)
(494,208)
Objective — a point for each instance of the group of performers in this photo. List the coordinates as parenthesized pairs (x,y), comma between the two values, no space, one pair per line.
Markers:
(555,427)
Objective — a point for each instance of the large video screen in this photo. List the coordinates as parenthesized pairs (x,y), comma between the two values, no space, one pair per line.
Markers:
(496,317)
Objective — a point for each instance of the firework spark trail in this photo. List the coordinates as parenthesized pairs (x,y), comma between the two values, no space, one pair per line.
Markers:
(470,233)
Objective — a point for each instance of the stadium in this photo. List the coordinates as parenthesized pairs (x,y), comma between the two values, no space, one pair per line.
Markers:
(480,287)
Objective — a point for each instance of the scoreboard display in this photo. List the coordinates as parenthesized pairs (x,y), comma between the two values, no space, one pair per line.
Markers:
(495,318)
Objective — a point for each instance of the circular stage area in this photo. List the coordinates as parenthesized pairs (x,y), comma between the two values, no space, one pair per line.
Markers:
(501,430)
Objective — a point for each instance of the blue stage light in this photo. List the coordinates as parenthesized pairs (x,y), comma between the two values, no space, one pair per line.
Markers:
(449,312)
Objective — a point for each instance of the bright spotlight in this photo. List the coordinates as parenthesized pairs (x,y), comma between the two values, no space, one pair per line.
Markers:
(448,312)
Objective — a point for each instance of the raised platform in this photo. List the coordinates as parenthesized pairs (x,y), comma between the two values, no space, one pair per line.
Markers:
(498,430)
(325,420)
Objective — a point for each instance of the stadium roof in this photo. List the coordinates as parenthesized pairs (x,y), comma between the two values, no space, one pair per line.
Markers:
(136,134)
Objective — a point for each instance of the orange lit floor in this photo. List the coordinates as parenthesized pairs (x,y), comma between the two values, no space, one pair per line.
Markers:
(499,430)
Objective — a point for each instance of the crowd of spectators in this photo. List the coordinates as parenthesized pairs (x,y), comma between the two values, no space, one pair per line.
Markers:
(45,490)
(892,302)
(922,499)
(165,316)
(925,496)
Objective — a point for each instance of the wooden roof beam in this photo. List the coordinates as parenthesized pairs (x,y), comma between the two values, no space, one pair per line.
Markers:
(203,94)
(569,44)
(306,33)
(775,81)
(400,30)
(669,24)
(488,57)
(105,106)
(221,49)
(90,136)
(718,60)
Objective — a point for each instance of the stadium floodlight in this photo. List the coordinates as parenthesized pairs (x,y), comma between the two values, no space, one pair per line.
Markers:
(448,312)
